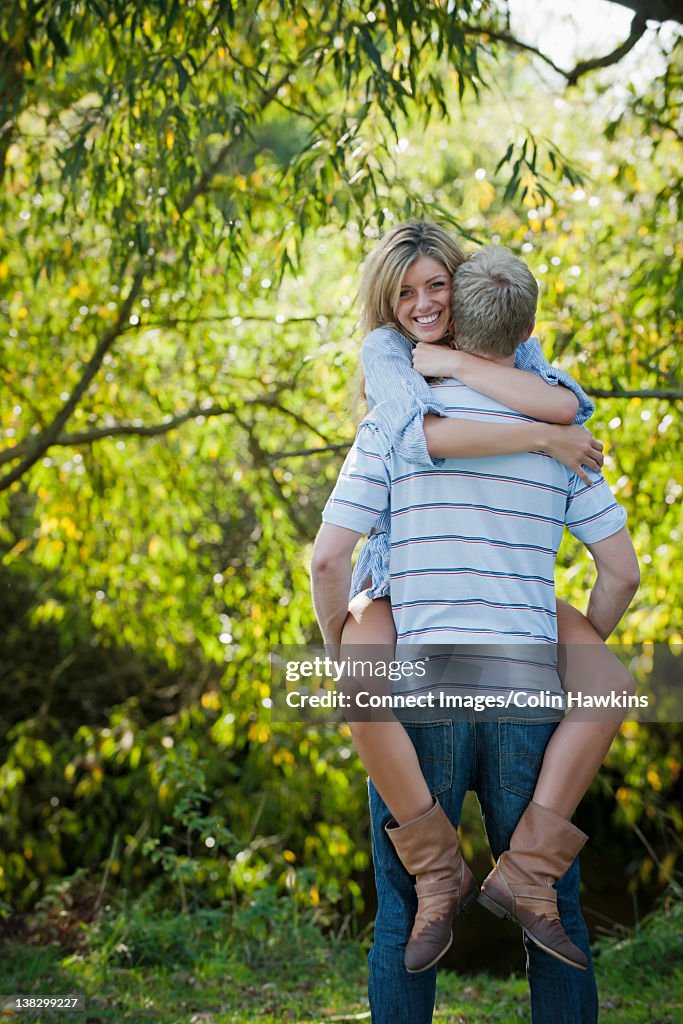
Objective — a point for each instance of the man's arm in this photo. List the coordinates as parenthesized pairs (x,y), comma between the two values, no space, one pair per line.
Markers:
(331,579)
(617,581)
(360,495)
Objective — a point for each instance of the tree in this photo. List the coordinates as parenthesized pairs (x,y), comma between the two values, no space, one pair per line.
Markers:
(172,378)
(173,144)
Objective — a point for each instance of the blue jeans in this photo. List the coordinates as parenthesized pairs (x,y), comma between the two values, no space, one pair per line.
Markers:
(500,761)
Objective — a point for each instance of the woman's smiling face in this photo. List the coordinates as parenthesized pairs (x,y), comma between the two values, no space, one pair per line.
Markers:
(424,306)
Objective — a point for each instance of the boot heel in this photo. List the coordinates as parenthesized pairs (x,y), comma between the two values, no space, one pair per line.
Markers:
(469,902)
(488,903)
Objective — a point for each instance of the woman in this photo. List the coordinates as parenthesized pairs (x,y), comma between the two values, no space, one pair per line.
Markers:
(405,302)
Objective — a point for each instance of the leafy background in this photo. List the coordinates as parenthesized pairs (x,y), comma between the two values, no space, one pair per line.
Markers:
(189,192)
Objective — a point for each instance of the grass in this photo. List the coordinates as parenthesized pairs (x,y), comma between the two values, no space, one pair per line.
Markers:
(142,967)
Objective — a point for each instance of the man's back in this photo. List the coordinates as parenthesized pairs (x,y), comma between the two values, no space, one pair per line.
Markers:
(474,541)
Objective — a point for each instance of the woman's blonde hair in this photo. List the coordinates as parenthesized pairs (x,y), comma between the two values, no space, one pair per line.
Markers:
(383,274)
(388,263)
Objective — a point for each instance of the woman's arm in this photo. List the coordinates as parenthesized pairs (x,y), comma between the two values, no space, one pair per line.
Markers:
(397,395)
(387,358)
(520,390)
(529,356)
(400,399)
(572,445)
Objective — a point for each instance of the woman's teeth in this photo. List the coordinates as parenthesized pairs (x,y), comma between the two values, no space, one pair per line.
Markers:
(426,320)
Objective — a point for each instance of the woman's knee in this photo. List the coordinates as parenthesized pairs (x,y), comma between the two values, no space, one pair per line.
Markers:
(376,626)
(584,659)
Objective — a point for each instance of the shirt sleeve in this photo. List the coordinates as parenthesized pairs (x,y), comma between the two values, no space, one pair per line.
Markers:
(362,489)
(398,396)
(592,511)
(529,356)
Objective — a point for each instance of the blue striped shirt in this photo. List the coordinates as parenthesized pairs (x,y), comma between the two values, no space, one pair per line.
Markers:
(473,541)
(399,397)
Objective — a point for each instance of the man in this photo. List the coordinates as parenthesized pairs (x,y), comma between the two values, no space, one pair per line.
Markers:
(473,545)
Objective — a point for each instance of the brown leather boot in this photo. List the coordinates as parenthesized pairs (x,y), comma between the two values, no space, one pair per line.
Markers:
(542,848)
(428,848)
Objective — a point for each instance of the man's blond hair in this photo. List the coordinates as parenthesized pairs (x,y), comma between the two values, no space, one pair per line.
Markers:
(493,303)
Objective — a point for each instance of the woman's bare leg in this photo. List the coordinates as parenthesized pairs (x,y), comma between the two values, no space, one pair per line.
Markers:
(384,747)
(578,748)
(545,841)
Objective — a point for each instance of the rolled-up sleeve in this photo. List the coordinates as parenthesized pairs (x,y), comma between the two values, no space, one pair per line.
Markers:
(529,357)
(398,395)
(592,512)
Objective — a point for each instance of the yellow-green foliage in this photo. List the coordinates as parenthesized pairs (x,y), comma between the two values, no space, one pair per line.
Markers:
(188,194)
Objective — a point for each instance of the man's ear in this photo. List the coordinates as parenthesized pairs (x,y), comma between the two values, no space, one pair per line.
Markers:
(531,329)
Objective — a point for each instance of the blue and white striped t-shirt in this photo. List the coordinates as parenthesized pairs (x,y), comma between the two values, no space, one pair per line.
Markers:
(473,541)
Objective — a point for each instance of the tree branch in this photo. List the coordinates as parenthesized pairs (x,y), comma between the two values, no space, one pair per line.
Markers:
(669,394)
(638,28)
(341,447)
(655,10)
(272,403)
(510,40)
(78,438)
(262,460)
(37,446)
(210,318)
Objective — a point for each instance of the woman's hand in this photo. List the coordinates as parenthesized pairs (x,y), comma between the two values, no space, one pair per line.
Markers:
(575,447)
(435,359)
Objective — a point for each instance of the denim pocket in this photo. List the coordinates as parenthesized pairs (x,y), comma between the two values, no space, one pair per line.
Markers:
(433,742)
(521,746)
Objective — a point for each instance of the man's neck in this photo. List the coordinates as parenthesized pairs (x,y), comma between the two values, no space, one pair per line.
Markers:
(501,360)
